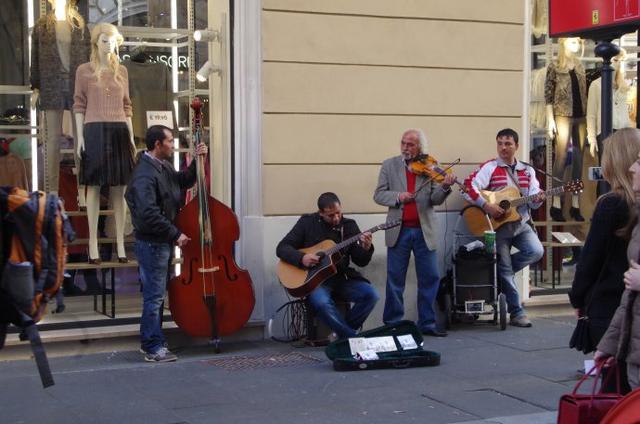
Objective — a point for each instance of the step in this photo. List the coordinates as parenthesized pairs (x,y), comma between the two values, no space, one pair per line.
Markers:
(105,332)
(547,300)
(116,338)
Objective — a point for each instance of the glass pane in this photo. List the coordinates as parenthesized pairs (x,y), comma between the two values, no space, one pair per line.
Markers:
(13,39)
(151,13)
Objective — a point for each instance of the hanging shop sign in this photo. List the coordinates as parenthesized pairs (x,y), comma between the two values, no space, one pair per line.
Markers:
(594,19)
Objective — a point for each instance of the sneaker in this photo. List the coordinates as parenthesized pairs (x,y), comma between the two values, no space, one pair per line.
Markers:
(520,321)
(144,352)
(162,355)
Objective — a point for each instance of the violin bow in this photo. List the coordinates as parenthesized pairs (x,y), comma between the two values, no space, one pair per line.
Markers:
(442,172)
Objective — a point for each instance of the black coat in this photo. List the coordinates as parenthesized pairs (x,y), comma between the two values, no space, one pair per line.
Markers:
(153,196)
(598,281)
(311,229)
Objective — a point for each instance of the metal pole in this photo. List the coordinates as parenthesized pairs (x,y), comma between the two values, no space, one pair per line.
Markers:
(606,50)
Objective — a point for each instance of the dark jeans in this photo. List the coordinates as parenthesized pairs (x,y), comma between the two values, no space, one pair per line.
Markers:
(361,294)
(153,262)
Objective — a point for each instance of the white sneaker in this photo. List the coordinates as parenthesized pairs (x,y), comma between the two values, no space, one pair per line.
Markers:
(520,321)
(162,355)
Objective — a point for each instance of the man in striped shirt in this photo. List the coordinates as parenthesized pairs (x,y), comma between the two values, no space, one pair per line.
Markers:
(494,175)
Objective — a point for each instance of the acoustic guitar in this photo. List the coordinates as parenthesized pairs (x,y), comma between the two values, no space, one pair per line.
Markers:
(299,282)
(509,198)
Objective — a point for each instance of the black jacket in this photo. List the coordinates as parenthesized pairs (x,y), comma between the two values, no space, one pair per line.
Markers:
(598,282)
(153,196)
(310,230)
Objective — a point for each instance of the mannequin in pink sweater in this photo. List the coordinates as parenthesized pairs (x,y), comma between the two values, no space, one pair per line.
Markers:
(105,143)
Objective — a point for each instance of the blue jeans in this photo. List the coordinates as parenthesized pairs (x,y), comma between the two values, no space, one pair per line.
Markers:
(153,263)
(411,239)
(361,294)
(530,250)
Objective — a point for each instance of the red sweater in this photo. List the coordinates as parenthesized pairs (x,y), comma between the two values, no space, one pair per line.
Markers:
(410,216)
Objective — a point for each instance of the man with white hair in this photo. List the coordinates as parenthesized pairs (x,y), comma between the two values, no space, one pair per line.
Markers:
(411,197)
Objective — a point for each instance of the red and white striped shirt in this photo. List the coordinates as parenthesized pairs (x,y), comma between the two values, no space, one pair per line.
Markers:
(493,176)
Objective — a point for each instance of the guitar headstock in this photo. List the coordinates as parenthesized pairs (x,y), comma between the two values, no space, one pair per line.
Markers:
(575,186)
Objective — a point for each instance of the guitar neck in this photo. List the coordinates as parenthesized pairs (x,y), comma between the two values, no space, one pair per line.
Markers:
(526,199)
(350,241)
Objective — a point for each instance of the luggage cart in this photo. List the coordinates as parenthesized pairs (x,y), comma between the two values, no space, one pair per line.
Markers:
(474,292)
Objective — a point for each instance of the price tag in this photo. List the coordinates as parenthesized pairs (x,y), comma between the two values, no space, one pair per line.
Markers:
(160,117)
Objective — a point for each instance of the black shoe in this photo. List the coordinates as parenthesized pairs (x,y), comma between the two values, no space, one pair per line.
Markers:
(556,214)
(434,333)
(575,214)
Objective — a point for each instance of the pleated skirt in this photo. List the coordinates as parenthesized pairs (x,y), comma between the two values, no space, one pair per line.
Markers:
(108,155)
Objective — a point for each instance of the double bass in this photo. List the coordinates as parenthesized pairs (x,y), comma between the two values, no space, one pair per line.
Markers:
(212,296)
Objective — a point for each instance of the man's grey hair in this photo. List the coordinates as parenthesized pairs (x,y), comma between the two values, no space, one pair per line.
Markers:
(424,146)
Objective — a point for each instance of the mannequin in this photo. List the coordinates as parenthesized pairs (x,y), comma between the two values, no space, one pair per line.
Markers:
(620,112)
(105,145)
(61,42)
(566,103)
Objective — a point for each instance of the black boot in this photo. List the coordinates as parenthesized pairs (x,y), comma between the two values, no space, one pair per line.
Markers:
(556,214)
(575,214)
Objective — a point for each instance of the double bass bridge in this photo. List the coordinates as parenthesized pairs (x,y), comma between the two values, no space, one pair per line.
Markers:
(212,269)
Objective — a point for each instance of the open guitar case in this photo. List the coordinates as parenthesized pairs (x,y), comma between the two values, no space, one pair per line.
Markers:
(339,351)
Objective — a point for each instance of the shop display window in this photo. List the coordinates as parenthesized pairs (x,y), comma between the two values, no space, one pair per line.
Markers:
(565,154)
(161,59)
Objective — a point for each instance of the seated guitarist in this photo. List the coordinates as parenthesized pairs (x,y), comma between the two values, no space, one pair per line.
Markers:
(348,284)
(495,175)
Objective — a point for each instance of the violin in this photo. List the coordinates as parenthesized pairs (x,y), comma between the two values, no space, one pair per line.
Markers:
(427,166)
(212,296)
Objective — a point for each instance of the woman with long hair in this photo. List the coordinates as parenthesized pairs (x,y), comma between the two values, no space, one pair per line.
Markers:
(598,282)
(622,338)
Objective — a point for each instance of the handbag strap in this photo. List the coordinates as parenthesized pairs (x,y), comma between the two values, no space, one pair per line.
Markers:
(598,368)
(586,376)
(613,367)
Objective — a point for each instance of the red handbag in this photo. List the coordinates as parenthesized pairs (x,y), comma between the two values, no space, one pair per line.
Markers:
(576,408)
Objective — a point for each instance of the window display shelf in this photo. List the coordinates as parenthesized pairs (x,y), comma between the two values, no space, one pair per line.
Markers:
(17,127)
(15,89)
(167,34)
(560,224)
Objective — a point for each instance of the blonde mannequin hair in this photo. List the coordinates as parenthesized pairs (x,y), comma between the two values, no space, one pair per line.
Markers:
(74,18)
(566,57)
(619,152)
(114,60)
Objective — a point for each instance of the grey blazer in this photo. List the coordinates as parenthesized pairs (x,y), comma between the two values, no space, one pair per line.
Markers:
(46,67)
(393,181)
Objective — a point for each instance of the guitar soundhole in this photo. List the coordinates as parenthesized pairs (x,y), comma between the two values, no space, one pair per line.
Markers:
(505,205)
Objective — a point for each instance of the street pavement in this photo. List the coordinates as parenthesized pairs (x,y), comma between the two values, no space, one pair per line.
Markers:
(486,376)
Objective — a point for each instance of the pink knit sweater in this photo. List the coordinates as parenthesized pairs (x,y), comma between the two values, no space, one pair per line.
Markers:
(104,101)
